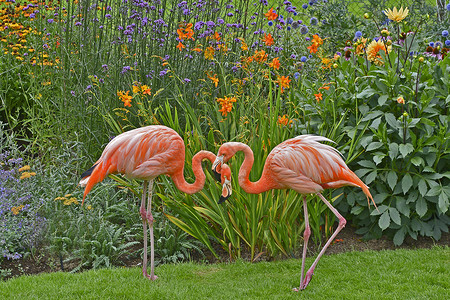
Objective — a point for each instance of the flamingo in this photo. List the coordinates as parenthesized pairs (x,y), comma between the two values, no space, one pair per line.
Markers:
(144,153)
(304,165)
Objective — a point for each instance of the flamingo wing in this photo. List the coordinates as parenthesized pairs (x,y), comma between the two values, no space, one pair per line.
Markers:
(142,153)
(305,164)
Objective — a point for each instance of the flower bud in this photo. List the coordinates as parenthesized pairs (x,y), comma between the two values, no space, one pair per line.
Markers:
(388,42)
(405,114)
(366,16)
(335,66)
(384,32)
(401,100)
(421,59)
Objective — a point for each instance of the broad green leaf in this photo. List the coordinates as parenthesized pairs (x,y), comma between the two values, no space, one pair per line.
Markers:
(422,187)
(366,93)
(417,161)
(373,146)
(402,207)
(392,121)
(399,236)
(356,210)
(405,149)
(393,150)
(395,216)
(382,99)
(421,206)
(392,179)
(371,177)
(384,220)
(406,183)
(367,164)
(381,209)
(434,191)
(376,123)
(443,202)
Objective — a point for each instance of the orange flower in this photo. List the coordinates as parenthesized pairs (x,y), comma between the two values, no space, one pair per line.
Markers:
(216,36)
(283,82)
(209,53)
(227,104)
(146,90)
(181,34)
(125,98)
(214,79)
(318,96)
(316,42)
(401,100)
(197,49)
(268,39)
(180,46)
(271,15)
(373,51)
(284,120)
(260,56)
(275,63)
(244,46)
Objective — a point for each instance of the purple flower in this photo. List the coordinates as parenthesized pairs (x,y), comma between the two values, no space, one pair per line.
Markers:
(50,21)
(304,29)
(303,59)
(447,43)
(78,24)
(305,6)
(313,21)
(445,33)
(358,34)
(163,72)
(108,16)
(73,93)
(296,75)
(125,69)
(210,24)
(186,80)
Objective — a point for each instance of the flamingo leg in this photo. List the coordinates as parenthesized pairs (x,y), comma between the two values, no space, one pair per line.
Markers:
(306,235)
(150,224)
(144,225)
(341,225)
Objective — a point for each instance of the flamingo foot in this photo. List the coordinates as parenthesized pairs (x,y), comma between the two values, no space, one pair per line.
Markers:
(308,277)
(150,277)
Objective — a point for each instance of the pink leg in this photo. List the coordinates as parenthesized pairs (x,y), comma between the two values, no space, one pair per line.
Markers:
(150,224)
(306,236)
(144,224)
(341,225)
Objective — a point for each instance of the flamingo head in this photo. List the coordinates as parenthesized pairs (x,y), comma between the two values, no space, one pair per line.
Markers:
(225,179)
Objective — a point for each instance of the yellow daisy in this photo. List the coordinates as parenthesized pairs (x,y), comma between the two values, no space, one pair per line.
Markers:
(395,15)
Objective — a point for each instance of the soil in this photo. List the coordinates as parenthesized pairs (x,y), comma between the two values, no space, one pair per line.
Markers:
(347,240)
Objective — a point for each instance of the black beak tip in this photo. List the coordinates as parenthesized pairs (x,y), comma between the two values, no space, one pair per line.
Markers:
(223,199)
(217,176)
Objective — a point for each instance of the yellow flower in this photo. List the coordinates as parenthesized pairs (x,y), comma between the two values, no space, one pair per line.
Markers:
(283,81)
(214,79)
(125,98)
(209,53)
(136,89)
(15,209)
(373,51)
(395,15)
(89,207)
(25,168)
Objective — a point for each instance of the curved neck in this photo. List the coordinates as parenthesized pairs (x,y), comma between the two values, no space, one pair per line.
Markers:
(249,187)
(200,177)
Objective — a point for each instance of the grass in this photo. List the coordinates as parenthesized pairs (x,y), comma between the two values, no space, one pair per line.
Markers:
(399,274)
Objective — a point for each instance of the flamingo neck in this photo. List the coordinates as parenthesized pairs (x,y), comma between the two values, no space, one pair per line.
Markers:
(248,186)
(200,177)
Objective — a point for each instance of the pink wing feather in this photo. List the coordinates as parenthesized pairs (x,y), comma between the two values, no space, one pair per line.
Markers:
(142,153)
(308,166)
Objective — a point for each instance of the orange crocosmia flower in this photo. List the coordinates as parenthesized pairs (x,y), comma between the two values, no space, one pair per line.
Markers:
(181,34)
(268,39)
(209,53)
(271,15)
(197,49)
(318,96)
(275,63)
(316,42)
(244,46)
(284,120)
(180,46)
(214,79)
(227,104)
(125,98)
(146,90)
(283,82)
(216,36)
(260,56)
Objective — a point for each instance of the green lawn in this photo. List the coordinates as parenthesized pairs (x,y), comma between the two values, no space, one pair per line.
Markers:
(399,274)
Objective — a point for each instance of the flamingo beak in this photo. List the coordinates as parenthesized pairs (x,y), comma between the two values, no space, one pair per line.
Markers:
(226,191)
(217,166)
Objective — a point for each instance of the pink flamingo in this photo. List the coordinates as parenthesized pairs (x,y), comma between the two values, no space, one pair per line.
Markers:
(304,165)
(144,153)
